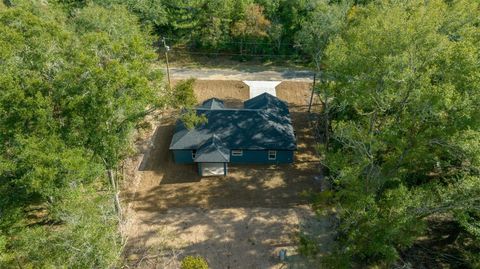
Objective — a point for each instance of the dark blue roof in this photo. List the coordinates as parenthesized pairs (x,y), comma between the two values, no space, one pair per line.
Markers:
(264,124)
(266,101)
(213,103)
(213,150)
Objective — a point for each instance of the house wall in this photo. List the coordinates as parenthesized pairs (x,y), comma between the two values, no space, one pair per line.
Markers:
(182,156)
(261,157)
(249,157)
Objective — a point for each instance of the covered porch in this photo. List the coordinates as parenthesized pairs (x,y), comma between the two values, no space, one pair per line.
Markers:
(212,169)
(212,158)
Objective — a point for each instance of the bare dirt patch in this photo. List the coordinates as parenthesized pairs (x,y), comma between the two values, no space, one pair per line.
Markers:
(237,221)
(232,92)
(297,94)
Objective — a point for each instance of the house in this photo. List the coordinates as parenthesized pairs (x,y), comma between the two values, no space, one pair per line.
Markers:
(259,133)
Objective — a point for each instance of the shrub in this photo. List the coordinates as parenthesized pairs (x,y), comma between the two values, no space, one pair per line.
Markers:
(307,246)
(194,262)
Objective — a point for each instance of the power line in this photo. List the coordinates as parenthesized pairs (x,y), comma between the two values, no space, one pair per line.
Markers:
(244,43)
(233,54)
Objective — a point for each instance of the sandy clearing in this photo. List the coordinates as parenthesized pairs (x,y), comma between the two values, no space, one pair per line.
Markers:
(232,92)
(297,94)
(172,212)
(228,238)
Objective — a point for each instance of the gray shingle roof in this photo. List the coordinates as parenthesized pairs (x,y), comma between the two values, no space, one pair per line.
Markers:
(264,124)
(266,101)
(213,103)
(213,150)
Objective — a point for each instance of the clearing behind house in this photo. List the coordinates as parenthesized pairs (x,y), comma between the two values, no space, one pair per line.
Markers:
(240,220)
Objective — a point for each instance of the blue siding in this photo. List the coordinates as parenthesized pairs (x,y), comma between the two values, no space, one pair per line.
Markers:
(182,156)
(248,157)
(261,157)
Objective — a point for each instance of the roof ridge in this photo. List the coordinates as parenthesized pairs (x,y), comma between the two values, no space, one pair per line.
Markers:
(214,135)
(256,125)
(218,148)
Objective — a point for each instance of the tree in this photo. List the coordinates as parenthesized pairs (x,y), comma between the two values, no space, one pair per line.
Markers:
(151,13)
(111,83)
(321,26)
(404,77)
(182,18)
(184,99)
(72,86)
(252,25)
(214,19)
(292,14)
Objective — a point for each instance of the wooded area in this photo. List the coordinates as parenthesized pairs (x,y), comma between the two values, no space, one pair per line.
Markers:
(399,83)
(402,80)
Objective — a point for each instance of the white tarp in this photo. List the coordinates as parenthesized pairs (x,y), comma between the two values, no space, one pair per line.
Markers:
(259,87)
(212,169)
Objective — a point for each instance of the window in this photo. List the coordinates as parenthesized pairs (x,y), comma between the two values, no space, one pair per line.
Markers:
(272,154)
(194,153)
(237,152)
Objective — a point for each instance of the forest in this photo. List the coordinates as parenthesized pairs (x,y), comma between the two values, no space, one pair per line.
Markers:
(399,83)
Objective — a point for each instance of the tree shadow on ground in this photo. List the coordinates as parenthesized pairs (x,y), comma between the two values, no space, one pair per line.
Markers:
(237,221)
(178,185)
(228,238)
(441,247)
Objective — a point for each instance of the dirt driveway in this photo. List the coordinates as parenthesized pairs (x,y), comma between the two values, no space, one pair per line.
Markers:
(237,221)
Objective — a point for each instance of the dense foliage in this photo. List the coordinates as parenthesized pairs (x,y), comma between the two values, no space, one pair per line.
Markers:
(72,87)
(400,87)
(402,84)
(271,28)
(185,101)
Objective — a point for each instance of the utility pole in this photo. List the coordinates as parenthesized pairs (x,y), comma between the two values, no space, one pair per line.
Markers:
(167,48)
(313,90)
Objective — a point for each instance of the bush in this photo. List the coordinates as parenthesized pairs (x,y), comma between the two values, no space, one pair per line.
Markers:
(184,95)
(194,262)
(307,246)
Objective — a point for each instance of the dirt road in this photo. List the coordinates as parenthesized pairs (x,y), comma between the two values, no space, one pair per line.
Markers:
(244,74)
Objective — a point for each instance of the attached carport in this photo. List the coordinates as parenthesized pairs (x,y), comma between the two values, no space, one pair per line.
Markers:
(212,158)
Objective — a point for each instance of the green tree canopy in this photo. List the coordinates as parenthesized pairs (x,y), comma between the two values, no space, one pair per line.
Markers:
(72,87)
(405,82)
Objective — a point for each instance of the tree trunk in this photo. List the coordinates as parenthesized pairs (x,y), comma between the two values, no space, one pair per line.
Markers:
(327,120)
(118,207)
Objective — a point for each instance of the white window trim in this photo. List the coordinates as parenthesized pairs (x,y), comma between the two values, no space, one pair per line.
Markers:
(237,152)
(194,154)
(272,152)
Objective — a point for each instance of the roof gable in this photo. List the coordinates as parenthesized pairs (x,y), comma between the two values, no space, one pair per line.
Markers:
(266,101)
(213,103)
(213,150)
